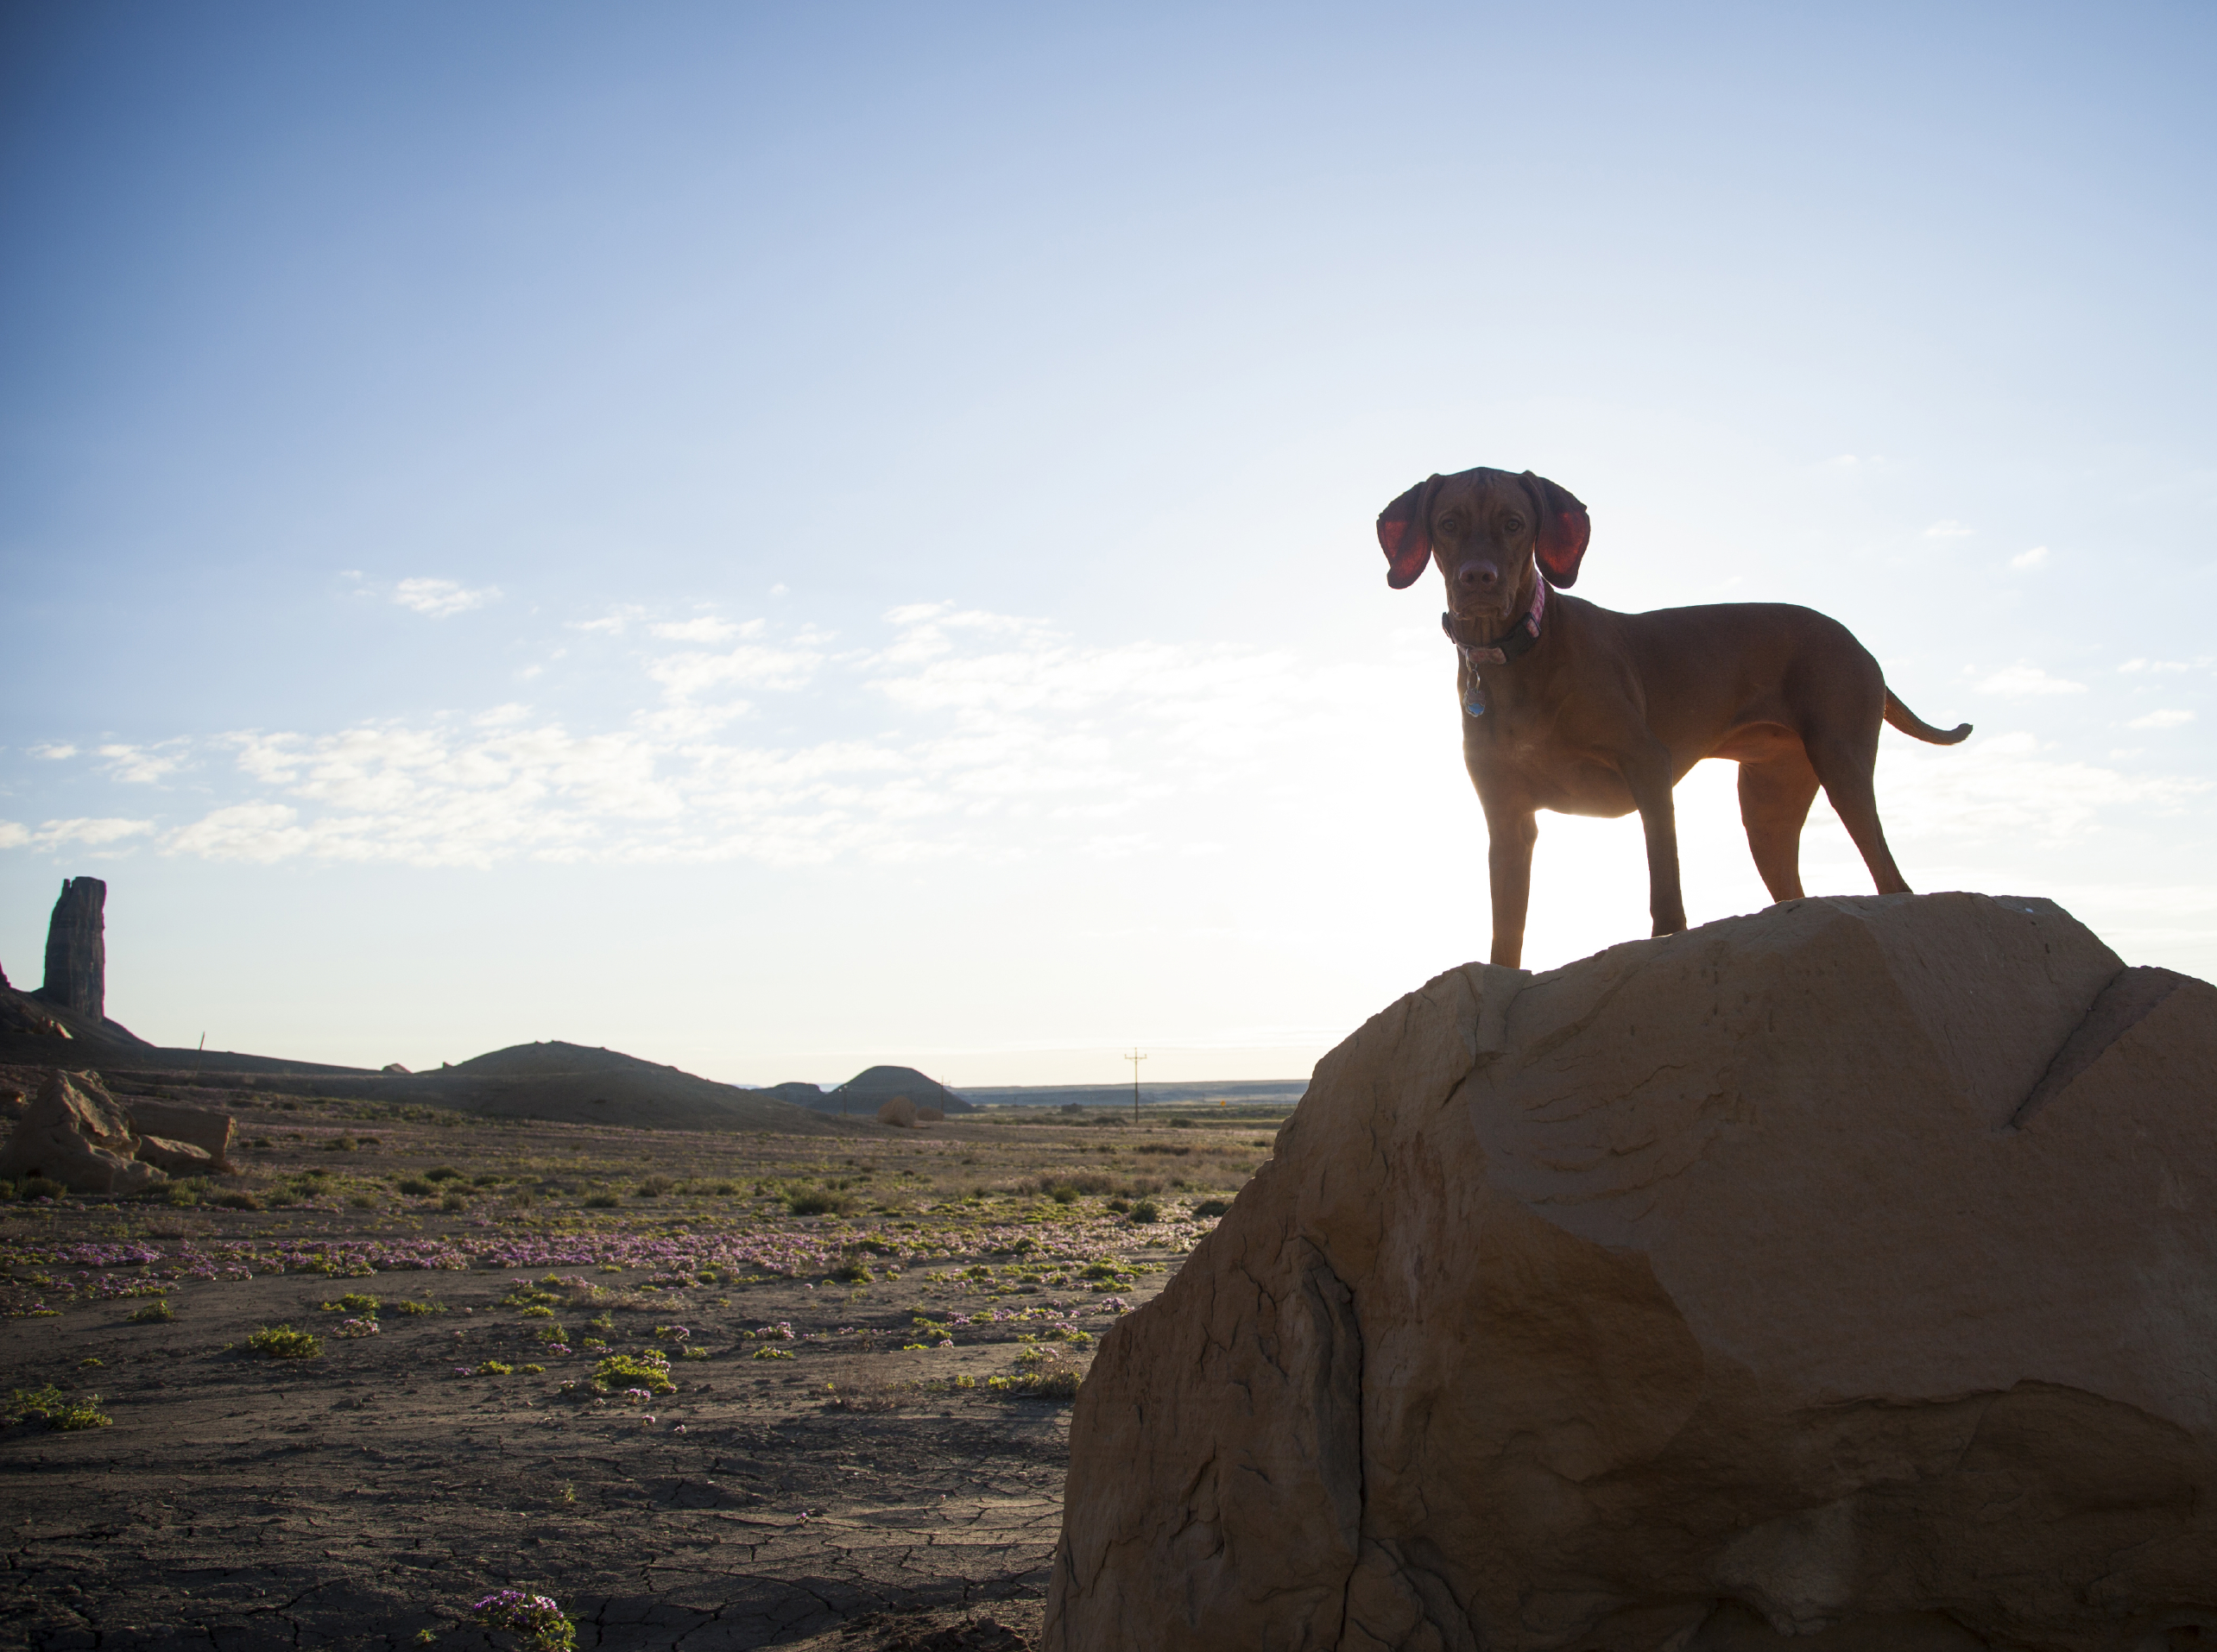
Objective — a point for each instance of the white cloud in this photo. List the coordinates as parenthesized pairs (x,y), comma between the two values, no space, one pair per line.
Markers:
(92,833)
(688,675)
(246,831)
(707,628)
(2009,790)
(1947,529)
(2167,719)
(144,765)
(613,622)
(2023,561)
(2166,665)
(2019,681)
(991,720)
(13,834)
(54,752)
(442,598)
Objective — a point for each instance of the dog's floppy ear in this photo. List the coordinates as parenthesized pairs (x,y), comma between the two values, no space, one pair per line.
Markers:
(1405,533)
(1563,530)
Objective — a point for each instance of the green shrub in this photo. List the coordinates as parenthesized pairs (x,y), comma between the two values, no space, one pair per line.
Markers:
(1062,1193)
(417,1186)
(653,1187)
(647,1370)
(1211,1207)
(1043,1374)
(1181,1124)
(498,1368)
(1146,1211)
(156,1311)
(443,1173)
(50,1405)
(341,1144)
(602,1202)
(812,1201)
(283,1342)
(454,1201)
(237,1199)
(489,1179)
(355,1302)
(852,1273)
(407,1307)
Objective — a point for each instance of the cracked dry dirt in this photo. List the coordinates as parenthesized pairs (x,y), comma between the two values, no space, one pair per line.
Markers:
(364,1497)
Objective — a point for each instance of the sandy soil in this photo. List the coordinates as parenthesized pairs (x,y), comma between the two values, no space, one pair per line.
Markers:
(850,1494)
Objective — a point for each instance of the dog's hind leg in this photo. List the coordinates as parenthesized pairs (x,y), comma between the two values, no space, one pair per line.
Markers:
(1774,799)
(1845,767)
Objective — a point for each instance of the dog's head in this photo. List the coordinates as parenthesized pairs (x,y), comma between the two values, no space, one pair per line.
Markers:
(1484,527)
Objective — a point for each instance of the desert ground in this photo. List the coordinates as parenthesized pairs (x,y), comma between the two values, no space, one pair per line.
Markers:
(861,1346)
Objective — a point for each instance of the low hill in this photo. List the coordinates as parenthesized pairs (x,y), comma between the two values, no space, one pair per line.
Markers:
(564,1083)
(872,1087)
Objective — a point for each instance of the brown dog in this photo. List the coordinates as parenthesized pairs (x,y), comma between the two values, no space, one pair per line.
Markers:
(1572,708)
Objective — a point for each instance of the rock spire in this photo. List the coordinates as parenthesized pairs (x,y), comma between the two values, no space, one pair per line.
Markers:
(77,948)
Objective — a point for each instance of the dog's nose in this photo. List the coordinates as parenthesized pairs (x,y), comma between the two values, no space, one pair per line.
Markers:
(1478,576)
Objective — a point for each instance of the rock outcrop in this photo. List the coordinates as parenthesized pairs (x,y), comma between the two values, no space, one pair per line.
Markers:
(77,948)
(74,1133)
(207,1133)
(1849,1271)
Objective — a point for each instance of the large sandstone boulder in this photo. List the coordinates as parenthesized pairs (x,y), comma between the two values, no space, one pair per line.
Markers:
(208,1132)
(1848,1271)
(74,1133)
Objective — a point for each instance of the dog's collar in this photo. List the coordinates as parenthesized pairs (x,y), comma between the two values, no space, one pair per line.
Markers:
(1509,647)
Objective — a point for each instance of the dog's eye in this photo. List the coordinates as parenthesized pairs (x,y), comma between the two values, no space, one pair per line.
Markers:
(1449,526)
(1512,525)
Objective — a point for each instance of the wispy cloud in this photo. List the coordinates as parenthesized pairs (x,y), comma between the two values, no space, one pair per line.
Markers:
(2025,561)
(1947,529)
(2011,789)
(2022,681)
(92,833)
(145,765)
(2166,719)
(994,734)
(54,752)
(442,599)
(707,628)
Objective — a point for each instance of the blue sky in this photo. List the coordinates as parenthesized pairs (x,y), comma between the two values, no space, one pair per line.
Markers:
(782,538)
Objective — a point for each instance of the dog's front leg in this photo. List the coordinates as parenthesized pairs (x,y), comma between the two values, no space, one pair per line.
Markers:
(1647,773)
(1510,833)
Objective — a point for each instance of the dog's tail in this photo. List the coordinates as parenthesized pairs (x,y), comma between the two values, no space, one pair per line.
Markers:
(1916,728)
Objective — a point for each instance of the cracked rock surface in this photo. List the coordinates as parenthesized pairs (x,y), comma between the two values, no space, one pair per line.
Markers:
(1842,1277)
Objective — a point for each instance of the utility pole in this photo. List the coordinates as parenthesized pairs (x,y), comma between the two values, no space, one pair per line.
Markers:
(1135,1058)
